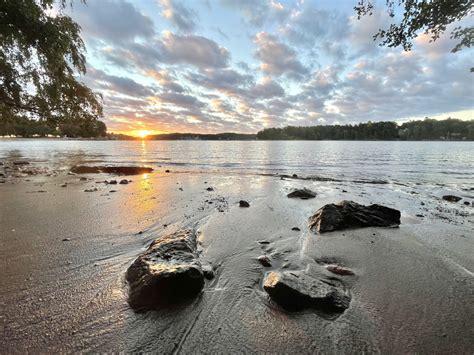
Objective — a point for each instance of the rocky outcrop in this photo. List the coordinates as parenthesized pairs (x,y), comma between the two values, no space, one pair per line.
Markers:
(295,290)
(349,214)
(169,271)
(119,170)
(303,194)
(243,203)
(452,198)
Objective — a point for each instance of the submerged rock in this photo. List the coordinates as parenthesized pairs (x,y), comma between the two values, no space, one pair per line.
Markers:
(169,271)
(21,162)
(243,203)
(303,194)
(120,170)
(123,182)
(349,214)
(452,198)
(295,290)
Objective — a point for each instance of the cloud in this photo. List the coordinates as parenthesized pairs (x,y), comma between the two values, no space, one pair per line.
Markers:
(165,80)
(112,21)
(277,58)
(267,88)
(98,79)
(195,50)
(257,13)
(179,15)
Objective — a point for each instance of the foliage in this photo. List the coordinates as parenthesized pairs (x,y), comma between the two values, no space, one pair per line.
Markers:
(25,127)
(432,16)
(41,54)
(427,129)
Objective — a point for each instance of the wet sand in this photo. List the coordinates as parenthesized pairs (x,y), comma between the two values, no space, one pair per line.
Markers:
(412,290)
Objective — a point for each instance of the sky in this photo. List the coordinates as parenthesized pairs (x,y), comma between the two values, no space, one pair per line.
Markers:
(243,65)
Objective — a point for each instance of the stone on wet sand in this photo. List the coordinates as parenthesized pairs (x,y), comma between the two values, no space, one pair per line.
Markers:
(243,203)
(123,182)
(169,271)
(339,270)
(303,194)
(119,170)
(452,198)
(349,214)
(264,260)
(295,290)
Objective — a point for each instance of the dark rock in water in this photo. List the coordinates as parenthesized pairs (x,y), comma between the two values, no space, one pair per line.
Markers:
(452,198)
(466,203)
(210,189)
(112,182)
(339,270)
(82,178)
(243,203)
(124,182)
(21,162)
(263,242)
(66,240)
(349,214)
(344,190)
(294,176)
(420,215)
(303,194)
(294,291)
(265,260)
(296,229)
(167,171)
(91,190)
(119,170)
(169,271)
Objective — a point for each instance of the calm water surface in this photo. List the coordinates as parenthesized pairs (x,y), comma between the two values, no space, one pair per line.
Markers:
(410,162)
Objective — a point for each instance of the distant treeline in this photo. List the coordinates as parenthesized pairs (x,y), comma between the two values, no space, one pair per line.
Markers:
(428,129)
(210,137)
(27,128)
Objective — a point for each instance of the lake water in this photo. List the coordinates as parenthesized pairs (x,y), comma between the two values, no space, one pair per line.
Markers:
(449,163)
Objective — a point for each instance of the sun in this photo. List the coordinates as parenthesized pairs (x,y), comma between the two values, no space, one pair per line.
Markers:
(143,134)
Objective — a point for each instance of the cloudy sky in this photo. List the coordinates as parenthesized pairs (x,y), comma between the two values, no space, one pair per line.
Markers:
(242,65)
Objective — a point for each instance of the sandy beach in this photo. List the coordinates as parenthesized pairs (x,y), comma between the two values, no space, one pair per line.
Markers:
(64,254)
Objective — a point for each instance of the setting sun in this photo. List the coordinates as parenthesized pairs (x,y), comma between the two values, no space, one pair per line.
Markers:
(143,133)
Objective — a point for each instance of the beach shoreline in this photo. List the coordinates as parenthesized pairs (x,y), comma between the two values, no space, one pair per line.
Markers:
(65,252)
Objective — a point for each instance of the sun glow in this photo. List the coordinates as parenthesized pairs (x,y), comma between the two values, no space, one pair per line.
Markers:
(143,134)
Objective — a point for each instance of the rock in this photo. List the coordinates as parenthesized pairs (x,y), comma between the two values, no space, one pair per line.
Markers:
(294,176)
(294,291)
(420,215)
(82,178)
(21,162)
(124,182)
(112,182)
(169,271)
(263,242)
(91,190)
(243,203)
(452,198)
(167,171)
(296,229)
(303,194)
(466,203)
(208,272)
(349,214)
(64,185)
(119,170)
(66,239)
(210,189)
(264,260)
(339,270)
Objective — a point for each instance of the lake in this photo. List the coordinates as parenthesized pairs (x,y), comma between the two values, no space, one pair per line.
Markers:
(448,163)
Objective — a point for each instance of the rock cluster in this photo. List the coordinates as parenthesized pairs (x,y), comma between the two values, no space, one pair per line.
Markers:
(119,170)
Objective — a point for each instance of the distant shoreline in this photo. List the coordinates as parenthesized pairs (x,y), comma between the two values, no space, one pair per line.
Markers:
(236,140)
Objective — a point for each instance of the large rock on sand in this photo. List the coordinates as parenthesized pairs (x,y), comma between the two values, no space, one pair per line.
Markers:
(120,170)
(349,214)
(295,290)
(169,271)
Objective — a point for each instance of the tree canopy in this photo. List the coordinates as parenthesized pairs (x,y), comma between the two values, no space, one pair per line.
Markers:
(432,16)
(428,129)
(41,56)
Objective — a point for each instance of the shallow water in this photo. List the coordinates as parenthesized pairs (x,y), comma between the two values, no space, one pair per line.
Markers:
(447,163)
